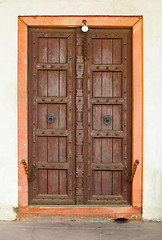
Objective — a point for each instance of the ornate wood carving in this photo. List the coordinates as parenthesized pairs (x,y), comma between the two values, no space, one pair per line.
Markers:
(79,118)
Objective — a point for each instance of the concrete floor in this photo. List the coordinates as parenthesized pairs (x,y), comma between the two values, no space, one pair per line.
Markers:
(80,229)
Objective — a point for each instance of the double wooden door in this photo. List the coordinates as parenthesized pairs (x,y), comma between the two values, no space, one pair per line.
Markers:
(79,115)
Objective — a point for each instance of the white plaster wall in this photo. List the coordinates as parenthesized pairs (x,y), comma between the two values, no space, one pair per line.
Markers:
(151,11)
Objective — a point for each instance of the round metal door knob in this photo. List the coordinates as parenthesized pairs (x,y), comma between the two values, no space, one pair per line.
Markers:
(51,117)
(107,119)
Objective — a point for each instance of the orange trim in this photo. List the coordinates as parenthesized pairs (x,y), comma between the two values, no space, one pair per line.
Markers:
(137,150)
(75,21)
(85,211)
(137,130)
(22,113)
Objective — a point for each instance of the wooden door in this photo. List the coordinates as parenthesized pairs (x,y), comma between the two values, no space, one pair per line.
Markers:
(108,81)
(79,116)
(52,115)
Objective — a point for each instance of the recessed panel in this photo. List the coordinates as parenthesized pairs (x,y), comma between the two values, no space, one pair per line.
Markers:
(57,149)
(57,50)
(52,149)
(96,51)
(52,83)
(113,114)
(42,83)
(107,84)
(107,51)
(117,51)
(117,150)
(107,150)
(117,182)
(42,50)
(102,183)
(117,85)
(102,150)
(57,83)
(107,45)
(42,181)
(42,149)
(58,112)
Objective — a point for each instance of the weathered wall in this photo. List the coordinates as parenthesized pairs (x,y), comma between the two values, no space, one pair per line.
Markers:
(151,11)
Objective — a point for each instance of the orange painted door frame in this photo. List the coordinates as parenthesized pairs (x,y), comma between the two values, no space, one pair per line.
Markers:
(136,24)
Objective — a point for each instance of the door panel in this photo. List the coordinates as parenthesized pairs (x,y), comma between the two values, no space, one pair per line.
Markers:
(51,91)
(79,161)
(108,78)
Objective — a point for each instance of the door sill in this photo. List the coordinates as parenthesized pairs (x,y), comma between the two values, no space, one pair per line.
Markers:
(81,211)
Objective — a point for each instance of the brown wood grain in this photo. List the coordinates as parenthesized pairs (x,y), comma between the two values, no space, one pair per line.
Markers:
(42,149)
(42,181)
(42,50)
(97,121)
(106,51)
(96,51)
(53,151)
(106,182)
(42,83)
(97,157)
(63,83)
(106,84)
(62,149)
(53,83)
(42,116)
(63,50)
(53,178)
(117,117)
(117,51)
(117,150)
(53,50)
(62,116)
(97,183)
(117,84)
(63,182)
(106,150)
(97,83)
(117,183)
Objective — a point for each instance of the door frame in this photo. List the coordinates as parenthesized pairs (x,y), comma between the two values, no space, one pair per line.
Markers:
(136,24)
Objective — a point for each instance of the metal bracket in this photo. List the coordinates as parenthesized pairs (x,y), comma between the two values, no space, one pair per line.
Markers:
(51,117)
(107,119)
(126,174)
(29,176)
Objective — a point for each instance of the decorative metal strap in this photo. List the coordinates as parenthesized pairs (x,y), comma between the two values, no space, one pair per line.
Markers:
(127,176)
(29,176)
(85,49)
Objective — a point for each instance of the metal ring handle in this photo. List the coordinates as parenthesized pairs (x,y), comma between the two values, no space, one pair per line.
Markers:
(107,119)
(51,117)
